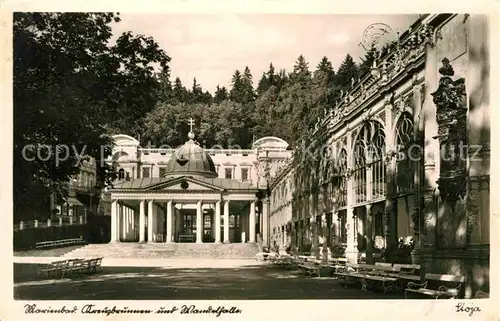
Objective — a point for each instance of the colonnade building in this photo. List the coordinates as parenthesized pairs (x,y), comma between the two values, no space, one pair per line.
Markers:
(190,194)
(399,168)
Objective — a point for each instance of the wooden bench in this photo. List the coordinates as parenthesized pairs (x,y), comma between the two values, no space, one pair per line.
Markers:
(59,243)
(437,285)
(334,264)
(348,271)
(262,256)
(285,261)
(72,266)
(56,267)
(383,274)
(409,272)
(310,268)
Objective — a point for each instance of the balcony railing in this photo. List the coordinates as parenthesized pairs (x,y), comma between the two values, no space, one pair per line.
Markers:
(59,221)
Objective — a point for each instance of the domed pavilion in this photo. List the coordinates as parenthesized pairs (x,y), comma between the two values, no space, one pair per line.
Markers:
(189,203)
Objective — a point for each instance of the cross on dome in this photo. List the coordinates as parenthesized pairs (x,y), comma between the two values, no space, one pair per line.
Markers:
(191,124)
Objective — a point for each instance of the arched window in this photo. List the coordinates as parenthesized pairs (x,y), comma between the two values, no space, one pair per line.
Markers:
(121,174)
(377,148)
(359,170)
(369,150)
(342,171)
(407,155)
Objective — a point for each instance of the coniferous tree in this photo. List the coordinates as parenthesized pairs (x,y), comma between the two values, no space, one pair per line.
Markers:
(236,92)
(196,94)
(347,72)
(165,92)
(263,84)
(367,62)
(271,76)
(248,94)
(221,94)
(179,92)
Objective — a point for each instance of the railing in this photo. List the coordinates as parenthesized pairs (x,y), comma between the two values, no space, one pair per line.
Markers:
(210,151)
(60,221)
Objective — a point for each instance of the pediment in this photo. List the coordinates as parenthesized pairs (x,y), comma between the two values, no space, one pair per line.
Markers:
(185,184)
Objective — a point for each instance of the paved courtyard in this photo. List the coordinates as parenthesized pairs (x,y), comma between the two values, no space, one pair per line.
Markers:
(183,279)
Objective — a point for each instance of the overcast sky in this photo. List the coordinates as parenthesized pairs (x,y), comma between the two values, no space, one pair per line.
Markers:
(212,47)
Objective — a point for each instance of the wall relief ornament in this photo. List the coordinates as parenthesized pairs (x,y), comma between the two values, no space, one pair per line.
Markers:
(415,216)
(429,217)
(473,208)
(451,117)
(387,219)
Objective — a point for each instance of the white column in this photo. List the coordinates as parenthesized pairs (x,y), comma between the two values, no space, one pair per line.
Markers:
(169,221)
(226,221)
(265,222)
(114,221)
(122,218)
(150,221)
(217,222)
(252,223)
(142,221)
(261,227)
(155,223)
(199,222)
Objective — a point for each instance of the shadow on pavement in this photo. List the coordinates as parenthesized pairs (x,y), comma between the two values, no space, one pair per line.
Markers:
(154,283)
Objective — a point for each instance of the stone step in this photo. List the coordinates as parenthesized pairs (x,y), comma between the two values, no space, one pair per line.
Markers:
(172,250)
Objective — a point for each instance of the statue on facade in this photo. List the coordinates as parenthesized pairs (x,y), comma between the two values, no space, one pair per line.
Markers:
(451,116)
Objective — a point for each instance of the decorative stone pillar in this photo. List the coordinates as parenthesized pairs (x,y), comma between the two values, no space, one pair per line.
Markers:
(142,221)
(217,222)
(390,212)
(369,234)
(418,94)
(265,222)
(431,156)
(199,222)
(352,246)
(451,117)
(314,237)
(114,221)
(251,229)
(150,221)
(324,248)
(226,221)
(170,224)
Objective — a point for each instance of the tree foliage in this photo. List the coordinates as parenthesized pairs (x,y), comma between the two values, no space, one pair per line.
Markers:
(71,89)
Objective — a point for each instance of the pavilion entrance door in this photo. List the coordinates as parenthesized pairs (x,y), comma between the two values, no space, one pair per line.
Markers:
(188,230)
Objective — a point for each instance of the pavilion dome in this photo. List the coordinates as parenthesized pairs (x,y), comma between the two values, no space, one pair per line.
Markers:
(191,159)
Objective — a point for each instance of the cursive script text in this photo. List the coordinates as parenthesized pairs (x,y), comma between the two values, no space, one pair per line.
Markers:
(470,309)
(192,309)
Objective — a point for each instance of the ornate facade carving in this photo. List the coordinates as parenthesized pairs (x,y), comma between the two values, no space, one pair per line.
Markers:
(429,217)
(473,206)
(451,117)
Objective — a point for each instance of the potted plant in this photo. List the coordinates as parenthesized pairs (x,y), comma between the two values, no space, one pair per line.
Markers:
(404,249)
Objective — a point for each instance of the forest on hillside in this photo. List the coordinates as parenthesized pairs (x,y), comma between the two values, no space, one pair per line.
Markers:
(73,88)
